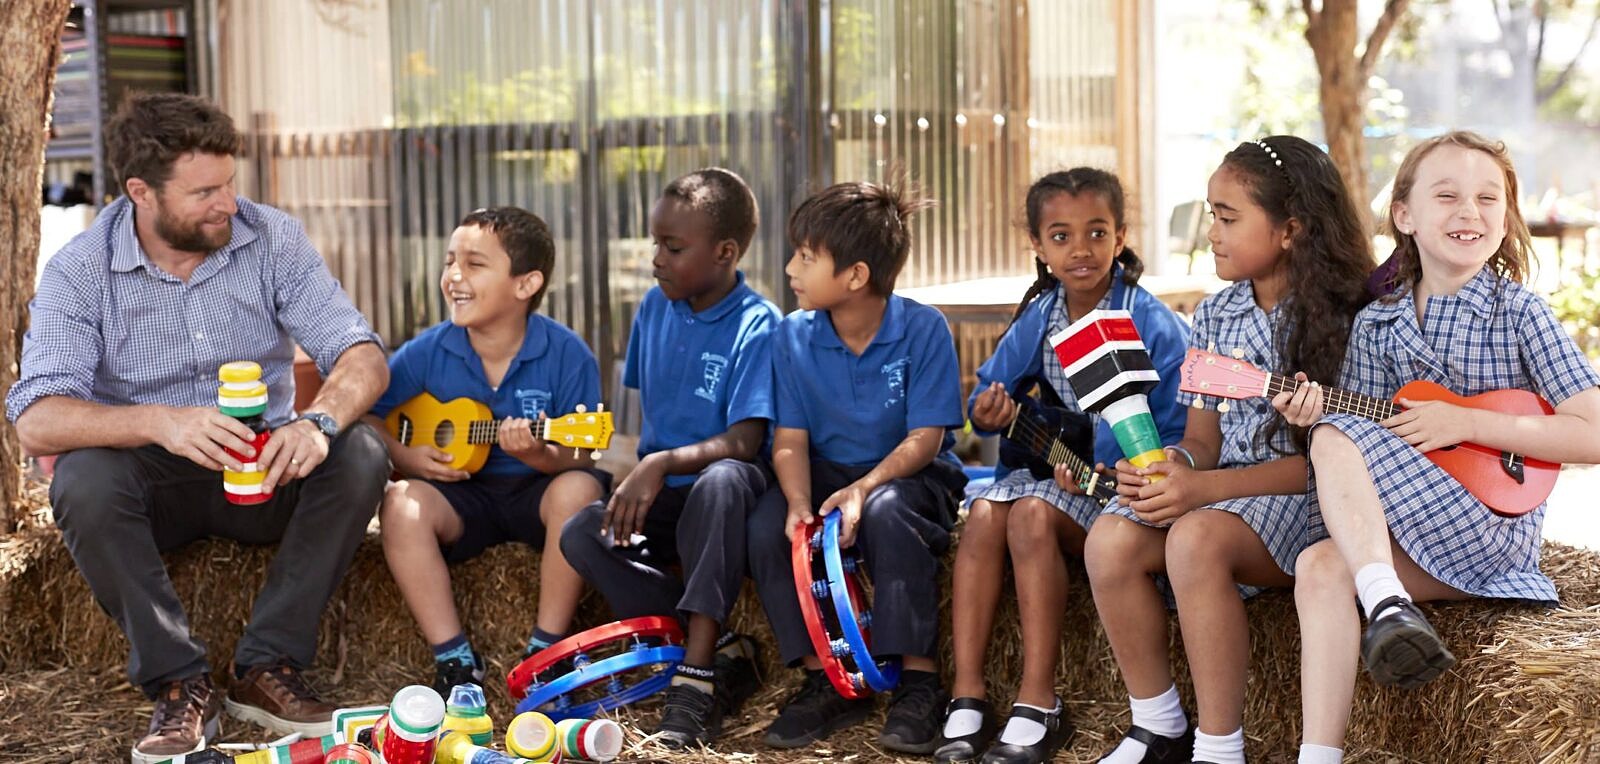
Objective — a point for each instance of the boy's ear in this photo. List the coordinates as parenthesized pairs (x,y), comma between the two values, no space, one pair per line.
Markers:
(727,252)
(529,284)
(858,276)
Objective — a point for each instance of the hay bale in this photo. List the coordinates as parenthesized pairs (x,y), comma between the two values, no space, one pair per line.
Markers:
(1525,689)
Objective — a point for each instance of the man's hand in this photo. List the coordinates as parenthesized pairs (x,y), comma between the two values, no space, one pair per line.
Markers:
(426,462)
(200,434)
(293,451)
(848,502)
(994,408)
(631,501)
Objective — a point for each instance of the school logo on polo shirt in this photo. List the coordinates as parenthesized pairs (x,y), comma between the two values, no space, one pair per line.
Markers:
(894,373)
(712,375)
(531,402)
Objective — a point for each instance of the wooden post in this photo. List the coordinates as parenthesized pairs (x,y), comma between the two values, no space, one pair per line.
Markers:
(30,34)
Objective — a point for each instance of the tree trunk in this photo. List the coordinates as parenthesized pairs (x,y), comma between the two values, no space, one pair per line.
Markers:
(1332,32)
(30,35)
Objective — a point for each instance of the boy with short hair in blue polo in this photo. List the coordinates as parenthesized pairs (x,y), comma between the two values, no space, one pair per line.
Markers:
(497,351)
(868,387)
(699,354)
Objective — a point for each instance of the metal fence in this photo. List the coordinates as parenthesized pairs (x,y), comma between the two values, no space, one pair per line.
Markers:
(379,124)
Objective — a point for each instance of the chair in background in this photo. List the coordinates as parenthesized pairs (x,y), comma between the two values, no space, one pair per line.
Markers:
(1186,232)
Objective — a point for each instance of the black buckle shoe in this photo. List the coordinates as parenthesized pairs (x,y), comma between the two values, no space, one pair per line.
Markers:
(964,749)
(1160,749)
(915,718)
(814,713)
(1057,731)
(689,718)
(1402,649)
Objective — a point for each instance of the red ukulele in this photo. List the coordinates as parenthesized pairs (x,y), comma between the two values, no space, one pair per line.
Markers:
(1508,484)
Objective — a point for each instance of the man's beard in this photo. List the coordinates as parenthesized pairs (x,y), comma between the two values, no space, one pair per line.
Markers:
(191,238)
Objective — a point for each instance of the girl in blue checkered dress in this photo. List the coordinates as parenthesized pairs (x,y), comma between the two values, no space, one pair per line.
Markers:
(1226,514)
(1077,226)
(1392,528)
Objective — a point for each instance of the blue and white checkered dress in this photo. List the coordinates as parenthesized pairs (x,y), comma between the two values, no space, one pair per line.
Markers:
(1020,483)
(1231,323)
(1492,334)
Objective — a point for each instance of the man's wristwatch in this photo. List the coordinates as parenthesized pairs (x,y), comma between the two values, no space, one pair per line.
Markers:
(324,423)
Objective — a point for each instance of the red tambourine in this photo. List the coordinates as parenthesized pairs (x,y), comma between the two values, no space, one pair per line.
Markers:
(661,627)
(811,587)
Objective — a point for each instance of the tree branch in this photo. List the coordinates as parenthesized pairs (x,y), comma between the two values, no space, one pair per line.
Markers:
(1392,11)
(1544,93)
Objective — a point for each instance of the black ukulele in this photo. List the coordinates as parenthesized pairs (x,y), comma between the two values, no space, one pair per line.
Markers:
(1041,437)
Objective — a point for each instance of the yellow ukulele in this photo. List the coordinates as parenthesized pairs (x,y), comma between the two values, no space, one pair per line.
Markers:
(466,429)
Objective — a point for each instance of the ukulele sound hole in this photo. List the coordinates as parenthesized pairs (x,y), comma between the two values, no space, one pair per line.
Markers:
(444,434)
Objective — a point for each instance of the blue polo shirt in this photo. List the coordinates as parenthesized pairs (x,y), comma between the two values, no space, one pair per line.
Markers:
(699,373)
(553,372)
(856,409)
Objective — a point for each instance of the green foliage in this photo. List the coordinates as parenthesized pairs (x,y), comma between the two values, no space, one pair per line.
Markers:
(1577,305)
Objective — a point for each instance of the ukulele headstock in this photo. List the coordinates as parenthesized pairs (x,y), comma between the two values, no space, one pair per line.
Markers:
(581,430)
(1204,373)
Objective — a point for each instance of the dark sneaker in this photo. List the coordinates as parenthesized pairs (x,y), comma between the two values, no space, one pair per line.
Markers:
(813,713)
(689,718)
(965,749)
(738,677)
(449,673)
(278,698)
(188,713)
(916,715)
(1057,731)
(1402,648)
(1159,749)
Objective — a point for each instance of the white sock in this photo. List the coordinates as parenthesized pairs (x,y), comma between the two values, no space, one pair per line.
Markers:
(1376,582)
(963,721)
(1219,749)
(1311,753)
(1023,731)
(1162,714)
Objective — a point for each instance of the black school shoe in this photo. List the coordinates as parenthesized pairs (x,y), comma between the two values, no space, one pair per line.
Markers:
(916,714)
(689,718)
(964,748)
(449,673)
(813,713)
(1057,731)
(1402,648)
(1159,749)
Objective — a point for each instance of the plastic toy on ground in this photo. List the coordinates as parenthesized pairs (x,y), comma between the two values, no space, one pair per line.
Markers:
(651,643)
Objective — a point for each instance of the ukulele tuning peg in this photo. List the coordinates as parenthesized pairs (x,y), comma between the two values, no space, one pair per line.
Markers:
(595,455)
(580,408)
(1222,408)
(1238,353)
(1197,403)
(599,407)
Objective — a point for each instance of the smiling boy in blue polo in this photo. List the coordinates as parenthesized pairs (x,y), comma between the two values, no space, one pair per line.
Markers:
(699,356)
(497,351)
(868,388)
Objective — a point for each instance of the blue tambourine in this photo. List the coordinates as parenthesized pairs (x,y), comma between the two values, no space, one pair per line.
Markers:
(554,698)
(847,660)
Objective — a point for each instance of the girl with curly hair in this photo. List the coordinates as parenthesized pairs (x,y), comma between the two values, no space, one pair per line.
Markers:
(1225,516)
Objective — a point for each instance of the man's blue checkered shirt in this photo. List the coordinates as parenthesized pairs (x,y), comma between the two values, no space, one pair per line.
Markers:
(108,326)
